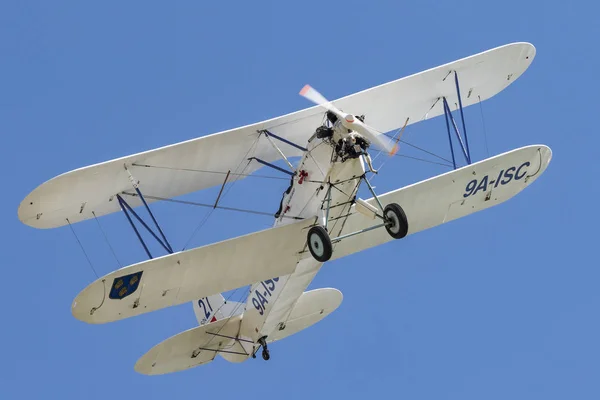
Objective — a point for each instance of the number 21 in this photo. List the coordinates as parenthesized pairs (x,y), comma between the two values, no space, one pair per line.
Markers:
(205,308)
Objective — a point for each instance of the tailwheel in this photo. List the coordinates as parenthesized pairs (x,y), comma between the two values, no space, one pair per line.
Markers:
(397,224)
(265,352)
(266,355)
(319,243)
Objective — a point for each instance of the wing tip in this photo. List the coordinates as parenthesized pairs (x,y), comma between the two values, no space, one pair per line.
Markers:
(143,366)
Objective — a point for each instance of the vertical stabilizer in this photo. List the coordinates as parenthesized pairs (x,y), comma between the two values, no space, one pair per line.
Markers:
(214,308)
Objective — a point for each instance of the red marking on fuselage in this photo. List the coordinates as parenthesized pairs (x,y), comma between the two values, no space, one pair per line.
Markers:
(303,174)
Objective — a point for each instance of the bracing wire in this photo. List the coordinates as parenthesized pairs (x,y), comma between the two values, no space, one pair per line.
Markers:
(396,135)
(210,212)
(419,148)
(82,249)
(193,203)
(106,239)
(484,130)
(423,160)
(204,171)
(200,225)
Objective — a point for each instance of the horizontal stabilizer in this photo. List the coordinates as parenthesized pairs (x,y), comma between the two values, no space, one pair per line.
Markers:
(311,307)
(194,347)
(201,345)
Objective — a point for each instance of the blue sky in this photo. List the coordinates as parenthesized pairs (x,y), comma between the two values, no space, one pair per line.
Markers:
(501,304)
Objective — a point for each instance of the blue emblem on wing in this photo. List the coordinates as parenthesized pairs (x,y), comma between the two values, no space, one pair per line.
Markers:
(125,285)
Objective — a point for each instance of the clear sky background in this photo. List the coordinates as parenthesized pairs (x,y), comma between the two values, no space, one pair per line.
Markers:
(501,304)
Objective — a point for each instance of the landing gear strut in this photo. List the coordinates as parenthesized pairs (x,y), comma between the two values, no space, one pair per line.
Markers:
(392,217)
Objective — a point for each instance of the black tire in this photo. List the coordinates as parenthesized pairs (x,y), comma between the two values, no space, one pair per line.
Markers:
(395,214)
(319,243)
(265,355)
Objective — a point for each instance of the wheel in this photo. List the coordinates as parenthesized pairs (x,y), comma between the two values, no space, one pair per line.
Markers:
(319,243)
(394,214)
(265,354)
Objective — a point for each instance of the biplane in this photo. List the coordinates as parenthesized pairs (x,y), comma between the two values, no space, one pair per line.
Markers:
(320,216)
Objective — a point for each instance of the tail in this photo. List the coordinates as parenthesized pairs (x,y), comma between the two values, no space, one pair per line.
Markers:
(213,308)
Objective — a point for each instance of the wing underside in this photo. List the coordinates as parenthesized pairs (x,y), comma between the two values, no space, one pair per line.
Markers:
(450,196)
(202,344)
(194,347)
(189,275)
(201,272)
(173,171)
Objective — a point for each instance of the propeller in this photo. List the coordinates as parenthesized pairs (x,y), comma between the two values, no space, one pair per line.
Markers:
(349,121)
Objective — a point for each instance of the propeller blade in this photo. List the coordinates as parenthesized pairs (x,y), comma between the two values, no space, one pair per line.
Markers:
(348,120)
(311,94)
(397,143)
(378,139)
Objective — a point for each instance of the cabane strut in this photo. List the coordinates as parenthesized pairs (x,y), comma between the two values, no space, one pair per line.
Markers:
(269,135)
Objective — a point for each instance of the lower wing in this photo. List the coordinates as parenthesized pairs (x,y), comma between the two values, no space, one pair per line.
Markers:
(190,275)
(223,266)
(450,196)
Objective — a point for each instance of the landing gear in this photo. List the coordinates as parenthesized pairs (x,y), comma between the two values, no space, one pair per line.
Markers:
(265,352)
(319,243)
(265,355)
(391,217)
(396,223)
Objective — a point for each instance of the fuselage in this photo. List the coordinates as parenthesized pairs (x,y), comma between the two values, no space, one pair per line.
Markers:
(270,302)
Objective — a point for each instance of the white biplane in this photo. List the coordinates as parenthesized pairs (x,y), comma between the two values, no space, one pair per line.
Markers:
(320,217)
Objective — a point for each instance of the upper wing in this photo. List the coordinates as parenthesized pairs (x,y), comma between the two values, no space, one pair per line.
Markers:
(76,194)
(450,196)
(190,275)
